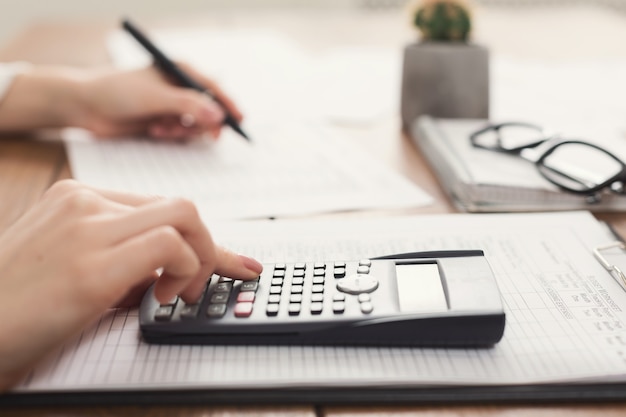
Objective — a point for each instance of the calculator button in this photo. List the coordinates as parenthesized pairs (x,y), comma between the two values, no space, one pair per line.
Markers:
(339,296)
(189,311)
(339,307)
(296,289)
(163,313)
(365,262)
(318,280)
(225,279)
(243,309)
(275,289)
(317,288)
(297,281)
(363,298)
(246,296)
(298,273)
(318,265)
(366,307)
(316,308)
(279,273)
(299,265)
(294,309)
(357,284)
(295,298)
(339,272)
(277,281)
(216,310)
(272,309)
(280,267)
(273,299)
(171,302)
(223,287)
(249,286)
(318,272)
(363,270)
(219,297)
(317,297)
(340,264)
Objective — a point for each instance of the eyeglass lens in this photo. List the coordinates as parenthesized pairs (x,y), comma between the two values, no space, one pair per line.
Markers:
(579,166)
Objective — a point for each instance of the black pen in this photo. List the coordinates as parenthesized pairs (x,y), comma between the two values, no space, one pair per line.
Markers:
(182,78)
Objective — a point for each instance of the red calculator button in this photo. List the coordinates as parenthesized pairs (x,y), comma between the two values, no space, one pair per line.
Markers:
(243,309)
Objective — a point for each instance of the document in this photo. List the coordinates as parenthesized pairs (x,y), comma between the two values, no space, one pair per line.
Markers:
(272,77)
(287,170)
(565,315)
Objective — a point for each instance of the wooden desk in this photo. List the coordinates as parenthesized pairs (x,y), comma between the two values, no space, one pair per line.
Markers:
(29,167)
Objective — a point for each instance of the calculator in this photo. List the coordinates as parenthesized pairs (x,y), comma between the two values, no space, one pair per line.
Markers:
(430,299)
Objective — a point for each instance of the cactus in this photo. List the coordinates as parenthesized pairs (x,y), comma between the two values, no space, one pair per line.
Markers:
(443,20)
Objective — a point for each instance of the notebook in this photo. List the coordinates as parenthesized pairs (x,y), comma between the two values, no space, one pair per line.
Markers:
(479,180)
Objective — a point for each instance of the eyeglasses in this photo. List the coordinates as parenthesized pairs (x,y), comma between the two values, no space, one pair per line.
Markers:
(573,165)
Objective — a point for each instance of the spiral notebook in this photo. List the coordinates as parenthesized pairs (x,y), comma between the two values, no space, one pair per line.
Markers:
(483,181)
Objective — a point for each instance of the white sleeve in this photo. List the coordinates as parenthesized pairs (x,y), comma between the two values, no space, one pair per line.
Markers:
(8,71)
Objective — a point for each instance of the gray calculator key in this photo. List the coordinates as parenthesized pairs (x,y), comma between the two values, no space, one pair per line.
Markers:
(249,286)
(163,313)
(223,287)
(216,310)
(189,311)
(219,297)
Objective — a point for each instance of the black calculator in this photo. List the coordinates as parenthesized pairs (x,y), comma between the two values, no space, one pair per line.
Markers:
(430,299)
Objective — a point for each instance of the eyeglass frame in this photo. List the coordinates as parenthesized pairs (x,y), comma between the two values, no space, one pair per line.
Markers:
(618,177)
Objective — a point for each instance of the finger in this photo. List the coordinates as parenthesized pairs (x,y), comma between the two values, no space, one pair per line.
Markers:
(228,264)
(215,89)
(133,297)
(139,256)
(183,216)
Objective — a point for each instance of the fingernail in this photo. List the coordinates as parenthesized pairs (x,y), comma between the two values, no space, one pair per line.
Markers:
(251,264)
(213,114)
(187,120)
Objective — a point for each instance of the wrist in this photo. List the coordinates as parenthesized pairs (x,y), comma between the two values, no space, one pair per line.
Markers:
(43,97)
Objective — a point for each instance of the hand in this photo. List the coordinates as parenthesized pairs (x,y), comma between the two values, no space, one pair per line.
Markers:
(80,251)
(144,102)
(114,103)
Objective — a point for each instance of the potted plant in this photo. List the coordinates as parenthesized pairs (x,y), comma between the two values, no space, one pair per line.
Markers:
(444,74)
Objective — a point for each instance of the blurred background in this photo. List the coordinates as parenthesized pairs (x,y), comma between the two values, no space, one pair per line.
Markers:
(17,14)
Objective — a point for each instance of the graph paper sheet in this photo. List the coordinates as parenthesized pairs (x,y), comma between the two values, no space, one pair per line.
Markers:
(565,314)
(291,169)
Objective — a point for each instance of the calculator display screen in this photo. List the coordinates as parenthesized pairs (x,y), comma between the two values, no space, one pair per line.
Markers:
(419,288)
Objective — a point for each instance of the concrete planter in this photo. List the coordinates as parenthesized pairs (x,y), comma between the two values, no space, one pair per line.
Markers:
(445,79)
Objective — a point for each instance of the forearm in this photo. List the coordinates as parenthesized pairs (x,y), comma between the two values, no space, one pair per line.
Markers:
(43,98)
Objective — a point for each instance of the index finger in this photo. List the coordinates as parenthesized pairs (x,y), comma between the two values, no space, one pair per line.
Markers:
(217,91)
